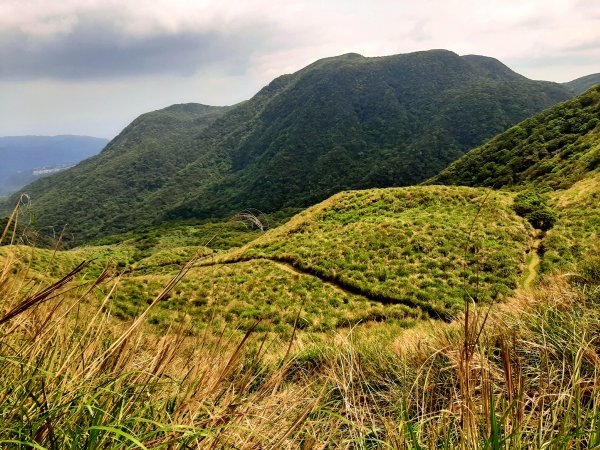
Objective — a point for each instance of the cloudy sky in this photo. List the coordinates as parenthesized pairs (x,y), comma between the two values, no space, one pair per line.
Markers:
(91,66)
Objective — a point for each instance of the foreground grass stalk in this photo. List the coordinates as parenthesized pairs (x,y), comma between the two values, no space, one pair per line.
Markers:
(522,375)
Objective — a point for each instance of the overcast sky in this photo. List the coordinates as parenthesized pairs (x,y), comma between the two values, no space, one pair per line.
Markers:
(92,66)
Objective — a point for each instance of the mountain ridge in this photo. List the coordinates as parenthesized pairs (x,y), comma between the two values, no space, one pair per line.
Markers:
(345,122)
(555,148)
(579,85)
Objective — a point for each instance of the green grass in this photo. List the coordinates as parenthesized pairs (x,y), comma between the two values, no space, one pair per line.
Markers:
(360,257)
(412,246)
(576,235)
(240,294)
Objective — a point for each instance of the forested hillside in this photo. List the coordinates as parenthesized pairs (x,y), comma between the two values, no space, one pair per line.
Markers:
(346,122)
(580,85)
(555,148)
(135,163)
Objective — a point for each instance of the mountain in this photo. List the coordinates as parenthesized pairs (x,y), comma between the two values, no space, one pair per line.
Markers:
(139,160)
(580,85)
(555,148)
(346,122)
(25,158)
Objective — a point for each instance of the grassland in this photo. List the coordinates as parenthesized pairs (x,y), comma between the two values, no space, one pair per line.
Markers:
(426,247)
(360,258)
(576,235)
(240,294)
(72,376)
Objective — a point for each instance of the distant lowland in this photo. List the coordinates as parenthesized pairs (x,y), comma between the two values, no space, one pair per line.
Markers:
(27,158)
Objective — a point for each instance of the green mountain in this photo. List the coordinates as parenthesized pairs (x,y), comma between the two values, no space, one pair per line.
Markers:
(25,158)
(347,122)
(580,85)
(136,162)
(555,148)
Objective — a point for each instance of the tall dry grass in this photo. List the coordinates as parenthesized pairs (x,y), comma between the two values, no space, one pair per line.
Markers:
(522,375)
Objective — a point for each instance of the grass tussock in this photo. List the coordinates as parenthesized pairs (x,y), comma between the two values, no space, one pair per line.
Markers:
(521,375)
(407,245)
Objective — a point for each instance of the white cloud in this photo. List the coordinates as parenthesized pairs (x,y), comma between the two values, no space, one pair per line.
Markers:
(228,49)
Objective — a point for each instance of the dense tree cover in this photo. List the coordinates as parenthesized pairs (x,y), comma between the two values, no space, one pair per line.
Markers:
(556,148)
(109,185)
(347,122)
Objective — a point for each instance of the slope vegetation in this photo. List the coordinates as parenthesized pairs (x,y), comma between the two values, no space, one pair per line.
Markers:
(397,255)
(555,148)
(580,85)
(104,188)
(576,234)
(347,122)
(553,158)
(423,247)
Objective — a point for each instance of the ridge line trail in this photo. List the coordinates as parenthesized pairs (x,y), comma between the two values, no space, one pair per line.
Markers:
(293,270)
(534,262)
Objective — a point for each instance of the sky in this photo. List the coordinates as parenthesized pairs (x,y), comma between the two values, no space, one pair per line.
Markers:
(91,66)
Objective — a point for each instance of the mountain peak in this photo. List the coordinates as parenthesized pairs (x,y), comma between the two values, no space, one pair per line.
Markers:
(346,122)
(491,67)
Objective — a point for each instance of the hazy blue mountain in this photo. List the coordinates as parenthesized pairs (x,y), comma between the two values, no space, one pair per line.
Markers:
(25,158)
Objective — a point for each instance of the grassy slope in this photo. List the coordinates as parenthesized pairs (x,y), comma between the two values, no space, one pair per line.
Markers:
(524,376)
(240,294)
(576,235)
(359,256)
(406,246)
(557,151)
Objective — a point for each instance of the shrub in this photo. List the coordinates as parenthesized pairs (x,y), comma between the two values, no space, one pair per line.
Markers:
(533,207)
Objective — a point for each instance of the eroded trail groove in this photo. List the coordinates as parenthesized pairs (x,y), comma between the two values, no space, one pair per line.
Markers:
(337,283)
(533,264)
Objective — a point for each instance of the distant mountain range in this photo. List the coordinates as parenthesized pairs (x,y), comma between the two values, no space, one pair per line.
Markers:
(26,158)
(580,85)
(346,122)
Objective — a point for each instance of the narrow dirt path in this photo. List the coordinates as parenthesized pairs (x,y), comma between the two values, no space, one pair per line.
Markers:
(291,269)
(534,262)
